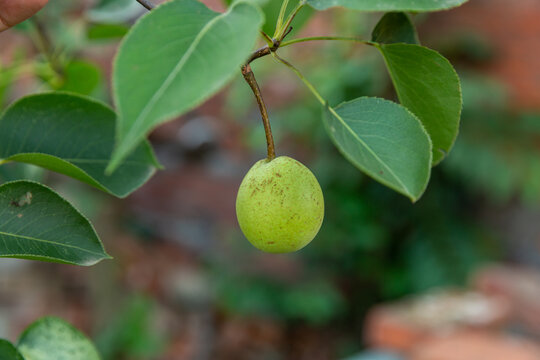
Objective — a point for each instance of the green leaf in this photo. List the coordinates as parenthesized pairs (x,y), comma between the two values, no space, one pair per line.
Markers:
(74,136)
(427,84)
(173,59)
(54,339)
(384,140)
(104,32)
(81,77)
(37,224)
(395,27)
(8,351)
(388,5)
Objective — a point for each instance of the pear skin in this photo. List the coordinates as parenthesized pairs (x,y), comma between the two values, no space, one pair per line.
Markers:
(280,205)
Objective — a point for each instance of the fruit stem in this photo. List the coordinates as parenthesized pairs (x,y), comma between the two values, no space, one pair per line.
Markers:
(252,82)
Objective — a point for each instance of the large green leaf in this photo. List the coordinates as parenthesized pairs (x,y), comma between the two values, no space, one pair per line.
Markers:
(54,339)
(427,84)
(395,27)
(8,351)
(74,136)
(173,59)
(384,140)
(388,5)
(37,224)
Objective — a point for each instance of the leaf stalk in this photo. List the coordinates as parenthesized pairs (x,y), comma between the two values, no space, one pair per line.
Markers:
(319,38)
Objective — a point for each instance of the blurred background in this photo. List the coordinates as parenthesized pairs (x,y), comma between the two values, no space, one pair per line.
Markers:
(455,276)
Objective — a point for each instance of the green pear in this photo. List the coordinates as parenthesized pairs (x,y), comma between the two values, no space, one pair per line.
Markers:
(280,205)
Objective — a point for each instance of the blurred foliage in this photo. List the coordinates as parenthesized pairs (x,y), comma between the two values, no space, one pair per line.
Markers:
(129,335)
(497,152)
(315,302)
(61,57)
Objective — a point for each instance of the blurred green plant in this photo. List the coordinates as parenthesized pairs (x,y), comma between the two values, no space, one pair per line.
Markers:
(496,140)
(130,334)
(315,301)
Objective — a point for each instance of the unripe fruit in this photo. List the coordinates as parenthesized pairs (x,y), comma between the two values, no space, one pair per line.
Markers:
(280,205)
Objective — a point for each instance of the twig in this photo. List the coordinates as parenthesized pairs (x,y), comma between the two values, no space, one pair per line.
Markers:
(147,4)
(286,33)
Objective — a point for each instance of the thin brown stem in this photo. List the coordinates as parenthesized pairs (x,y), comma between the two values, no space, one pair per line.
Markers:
(147,4)
(263,51)
(285,34)
(247,72)
(252,82)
